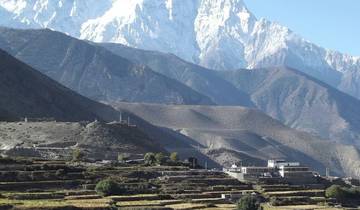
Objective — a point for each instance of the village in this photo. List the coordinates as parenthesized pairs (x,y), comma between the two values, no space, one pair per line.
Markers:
(163,181)
(74,180)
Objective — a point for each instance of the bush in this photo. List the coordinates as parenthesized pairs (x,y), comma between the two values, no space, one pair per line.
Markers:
(287,201)
(108,187)
(343,194)
(123,157)
(335,191)
(160,158)
(77,155)
(149,158)
(248,202)
(174,157)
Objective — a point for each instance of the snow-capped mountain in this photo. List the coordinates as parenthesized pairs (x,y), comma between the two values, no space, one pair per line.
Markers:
(218,34)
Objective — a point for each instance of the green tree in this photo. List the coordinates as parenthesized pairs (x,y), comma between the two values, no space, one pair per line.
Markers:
(174,156)
(160,158)
(77,155)
(248,202)
(337,192)
(149,158)
(123,157)
(108,187)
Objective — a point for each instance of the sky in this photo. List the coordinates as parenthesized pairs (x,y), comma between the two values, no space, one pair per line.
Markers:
(333,24)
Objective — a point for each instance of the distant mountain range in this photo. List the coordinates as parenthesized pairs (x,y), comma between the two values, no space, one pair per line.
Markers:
(93,71)
(186,53)
(26,93)
(301,102)
(218,34)
(286,94)
(204,81)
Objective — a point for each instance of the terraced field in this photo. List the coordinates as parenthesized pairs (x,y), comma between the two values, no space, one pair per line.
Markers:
(43,184)
(64,185)
(294,197)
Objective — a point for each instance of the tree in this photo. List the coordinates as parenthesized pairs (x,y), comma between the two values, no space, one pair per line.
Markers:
(160,158)
(174,157)
(123,157)
(77,155)
(248,202)
(337,192)
(108,187)
(149,158)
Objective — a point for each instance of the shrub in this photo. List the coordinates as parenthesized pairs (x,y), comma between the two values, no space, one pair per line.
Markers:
(123,157)
(77,155)
(248,202)
(286,201)
(342,194)
(335,191)
(108,187)
(160,158)
(149,158)
(174,157)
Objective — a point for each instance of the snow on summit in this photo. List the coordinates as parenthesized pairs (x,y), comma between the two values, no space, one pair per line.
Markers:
(219,34)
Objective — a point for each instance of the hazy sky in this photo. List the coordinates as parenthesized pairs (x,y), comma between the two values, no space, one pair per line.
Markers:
(333,24)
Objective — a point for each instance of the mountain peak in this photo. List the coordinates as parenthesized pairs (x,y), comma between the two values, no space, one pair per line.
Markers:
(218,34)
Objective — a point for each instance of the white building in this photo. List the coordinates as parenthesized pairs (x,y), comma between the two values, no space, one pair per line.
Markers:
(279,163)
(292,172)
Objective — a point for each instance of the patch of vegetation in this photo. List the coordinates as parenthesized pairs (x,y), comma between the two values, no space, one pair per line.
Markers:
(150,158)
(161,159)
(108,187)
(78,155)
(292,200)
(174,157)
(248,202)
(123,157)
(343,194)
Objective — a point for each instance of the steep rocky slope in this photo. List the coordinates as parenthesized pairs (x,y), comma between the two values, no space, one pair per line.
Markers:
(93,71)
(248,133)
(219,34)
(25,92)
(301,102)
(203,80)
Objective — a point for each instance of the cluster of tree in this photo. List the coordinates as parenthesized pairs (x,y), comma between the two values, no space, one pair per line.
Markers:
(149,158)
(159,158)
(248,202)
(343,194)
(109,187)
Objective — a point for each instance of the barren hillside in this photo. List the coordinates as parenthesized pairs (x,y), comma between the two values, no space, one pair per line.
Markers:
(248,132)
